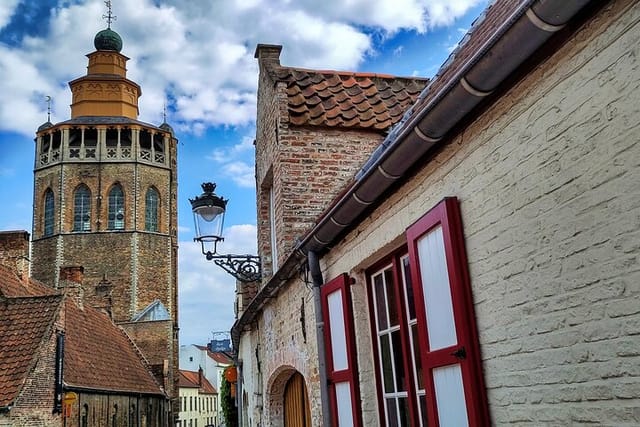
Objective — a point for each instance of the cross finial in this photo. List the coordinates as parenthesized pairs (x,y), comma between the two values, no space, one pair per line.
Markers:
(164,111)
(48,108)
(110,17)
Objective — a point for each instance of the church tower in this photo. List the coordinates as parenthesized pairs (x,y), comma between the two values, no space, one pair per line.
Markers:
(105,198)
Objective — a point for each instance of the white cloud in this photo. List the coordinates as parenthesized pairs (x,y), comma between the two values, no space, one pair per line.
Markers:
(7,9)
(236,162)
(199,54)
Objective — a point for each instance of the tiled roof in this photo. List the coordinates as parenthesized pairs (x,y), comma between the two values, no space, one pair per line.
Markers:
(191,379)
(24,323)
(216,355)
(12,286)
(99,355)
(348,100)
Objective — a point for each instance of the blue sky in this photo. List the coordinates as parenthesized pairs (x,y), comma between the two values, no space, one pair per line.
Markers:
(197,56)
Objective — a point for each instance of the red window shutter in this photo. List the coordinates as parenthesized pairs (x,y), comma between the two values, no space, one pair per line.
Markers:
(448,339)
(340,349)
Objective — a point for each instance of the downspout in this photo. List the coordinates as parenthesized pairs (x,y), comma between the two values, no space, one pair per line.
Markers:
(317,281)
(59,375)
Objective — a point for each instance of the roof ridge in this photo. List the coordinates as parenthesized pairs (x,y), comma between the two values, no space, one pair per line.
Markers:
(347,73)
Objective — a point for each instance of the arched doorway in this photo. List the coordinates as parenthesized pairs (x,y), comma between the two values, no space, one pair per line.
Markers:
(296,403)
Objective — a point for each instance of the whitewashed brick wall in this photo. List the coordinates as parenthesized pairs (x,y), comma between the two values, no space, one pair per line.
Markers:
(549,184)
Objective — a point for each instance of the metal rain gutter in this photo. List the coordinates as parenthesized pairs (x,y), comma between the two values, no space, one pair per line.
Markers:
(520,35)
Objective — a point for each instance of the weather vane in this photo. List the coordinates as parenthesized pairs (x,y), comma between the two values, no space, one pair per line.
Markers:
(48,108)
(110,17)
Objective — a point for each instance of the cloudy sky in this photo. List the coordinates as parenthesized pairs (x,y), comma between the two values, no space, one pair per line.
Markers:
(197,57)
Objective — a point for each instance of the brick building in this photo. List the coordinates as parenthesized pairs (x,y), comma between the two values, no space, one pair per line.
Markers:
(476,262)
(63,362)
(105,198)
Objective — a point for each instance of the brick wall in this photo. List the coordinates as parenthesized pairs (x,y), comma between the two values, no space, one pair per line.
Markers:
(14,251)
(306,166)
(547,180)
(34,405)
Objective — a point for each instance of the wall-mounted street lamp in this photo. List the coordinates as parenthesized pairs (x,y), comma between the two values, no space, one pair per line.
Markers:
(208,215)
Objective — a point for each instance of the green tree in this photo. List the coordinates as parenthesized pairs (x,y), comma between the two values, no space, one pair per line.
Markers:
(228,402)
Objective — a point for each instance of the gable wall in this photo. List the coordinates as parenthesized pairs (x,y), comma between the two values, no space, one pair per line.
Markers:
(307,167)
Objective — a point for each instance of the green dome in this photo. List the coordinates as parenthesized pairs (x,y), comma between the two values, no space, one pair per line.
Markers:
(108,40)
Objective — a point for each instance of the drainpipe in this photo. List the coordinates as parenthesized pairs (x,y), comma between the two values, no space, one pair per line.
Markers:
(317,280)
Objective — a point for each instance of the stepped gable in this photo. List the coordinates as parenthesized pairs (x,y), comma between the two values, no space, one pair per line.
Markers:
(100,355)
(347,99)
(24,323)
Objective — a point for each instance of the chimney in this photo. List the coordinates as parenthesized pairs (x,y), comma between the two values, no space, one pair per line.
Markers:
(268,54)
(200,376)
(71,278)
(14,252)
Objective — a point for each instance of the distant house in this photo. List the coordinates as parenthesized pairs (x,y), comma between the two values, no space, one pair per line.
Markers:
(63,362)
(198,400)
(470,260)
(195,357)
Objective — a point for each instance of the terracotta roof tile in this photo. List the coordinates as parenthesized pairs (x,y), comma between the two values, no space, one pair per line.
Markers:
(24,323)
(191,379)
(344,99)
(100,355)
(12,286)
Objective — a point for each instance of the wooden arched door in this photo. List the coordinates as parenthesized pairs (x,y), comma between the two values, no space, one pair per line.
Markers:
(296,403)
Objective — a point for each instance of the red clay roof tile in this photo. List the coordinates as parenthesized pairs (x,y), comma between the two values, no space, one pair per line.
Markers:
(346,99)
(100,355)
(24,324)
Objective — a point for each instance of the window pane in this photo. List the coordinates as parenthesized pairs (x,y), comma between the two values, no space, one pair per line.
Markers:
(381,307)
(82,209)
(417,361)
(387,369)
(391,297)
(437,291)
(116,209)
(408,289)
(452,408)
(48,213)
(151,210)
(403,411)
(392,413)
(396,348)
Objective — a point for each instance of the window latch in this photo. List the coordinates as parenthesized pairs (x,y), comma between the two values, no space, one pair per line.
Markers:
(460,353)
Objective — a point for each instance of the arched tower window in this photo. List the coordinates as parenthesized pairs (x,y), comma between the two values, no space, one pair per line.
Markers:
(116,208)
(82,209)
(48,212)
(152,199)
